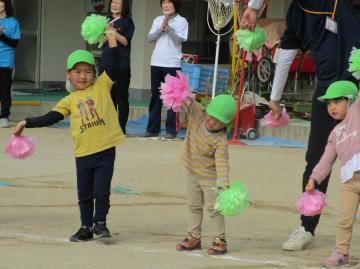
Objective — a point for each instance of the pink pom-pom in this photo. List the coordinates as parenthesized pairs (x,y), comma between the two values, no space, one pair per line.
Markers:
(311,203)
(20,147)
(175,91)
(269,121)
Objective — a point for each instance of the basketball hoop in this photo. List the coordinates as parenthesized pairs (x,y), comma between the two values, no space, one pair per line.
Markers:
(221,12)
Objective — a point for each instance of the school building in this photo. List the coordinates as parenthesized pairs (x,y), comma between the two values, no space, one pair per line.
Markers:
(51,30)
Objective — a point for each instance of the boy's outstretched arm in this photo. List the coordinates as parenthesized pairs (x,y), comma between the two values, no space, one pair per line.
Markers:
(42,121)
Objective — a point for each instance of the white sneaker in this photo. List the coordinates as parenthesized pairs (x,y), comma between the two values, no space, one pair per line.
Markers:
(299,240)
(4,123)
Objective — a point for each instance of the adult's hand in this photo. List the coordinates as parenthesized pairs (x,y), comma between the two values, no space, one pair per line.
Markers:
(276,109)
(165,22)
(249,19)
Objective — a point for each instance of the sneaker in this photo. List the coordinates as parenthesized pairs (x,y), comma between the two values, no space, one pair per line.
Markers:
(148,135)
(83,234)
(4,123)
(299,240)
(169,137)
(189,243)
(337,259)
(100,230)
(218,247)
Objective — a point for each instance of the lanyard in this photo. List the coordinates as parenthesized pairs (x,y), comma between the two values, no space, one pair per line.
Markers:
(320,12)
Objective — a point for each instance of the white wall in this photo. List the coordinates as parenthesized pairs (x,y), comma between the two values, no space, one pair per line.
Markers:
(60,35)
(278,8)
(143,14)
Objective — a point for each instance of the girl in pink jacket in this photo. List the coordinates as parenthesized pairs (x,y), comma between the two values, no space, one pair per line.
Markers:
(343,142)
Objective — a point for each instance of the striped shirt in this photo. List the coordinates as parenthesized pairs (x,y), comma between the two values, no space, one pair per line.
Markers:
(204,153)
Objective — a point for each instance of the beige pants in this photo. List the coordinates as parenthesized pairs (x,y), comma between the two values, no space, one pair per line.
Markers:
(349,203)
(201,194)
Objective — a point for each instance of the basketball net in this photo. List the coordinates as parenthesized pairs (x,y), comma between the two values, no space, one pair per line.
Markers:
(221,12)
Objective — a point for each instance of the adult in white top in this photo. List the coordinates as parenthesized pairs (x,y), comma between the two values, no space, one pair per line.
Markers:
(307,28)
(168,31)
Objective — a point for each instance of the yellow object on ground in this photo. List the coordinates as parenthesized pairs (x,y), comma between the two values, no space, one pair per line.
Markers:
(26,103)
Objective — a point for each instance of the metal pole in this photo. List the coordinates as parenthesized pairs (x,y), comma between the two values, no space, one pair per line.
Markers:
(216,65)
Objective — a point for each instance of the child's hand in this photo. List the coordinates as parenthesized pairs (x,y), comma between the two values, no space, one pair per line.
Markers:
(310,186)
(19,128)
(221,186)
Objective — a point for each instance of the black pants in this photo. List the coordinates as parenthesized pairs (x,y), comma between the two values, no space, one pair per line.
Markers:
(321,126)
(5,91)
(94,174)
(120,96)
(157,76)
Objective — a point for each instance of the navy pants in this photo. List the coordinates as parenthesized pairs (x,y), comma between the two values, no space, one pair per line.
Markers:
(157,76)
(120,95)
(5,91)
(320,128)
(94,174)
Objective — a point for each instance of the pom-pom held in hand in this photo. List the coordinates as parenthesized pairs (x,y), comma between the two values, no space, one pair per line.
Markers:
(233,200)
(354,63)
(175,91)
(20,147)
(250,40)
(311,203)
(269,121)
(93,29)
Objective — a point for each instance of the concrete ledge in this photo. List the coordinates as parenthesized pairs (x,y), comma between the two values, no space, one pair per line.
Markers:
(297,130)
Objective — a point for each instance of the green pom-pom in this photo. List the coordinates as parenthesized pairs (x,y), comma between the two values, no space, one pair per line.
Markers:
(93,28)
(233,200)
(354,63)
(250,40)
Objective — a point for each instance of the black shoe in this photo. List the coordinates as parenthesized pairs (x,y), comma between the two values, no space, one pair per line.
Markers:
(83,234)
(148,135)
(100,230)
(169,137)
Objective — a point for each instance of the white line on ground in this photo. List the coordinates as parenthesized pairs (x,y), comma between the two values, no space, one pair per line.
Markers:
(150,250)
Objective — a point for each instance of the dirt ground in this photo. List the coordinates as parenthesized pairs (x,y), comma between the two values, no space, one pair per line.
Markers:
(40,212)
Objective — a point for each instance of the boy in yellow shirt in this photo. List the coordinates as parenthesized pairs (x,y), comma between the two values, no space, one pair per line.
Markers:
(95,131)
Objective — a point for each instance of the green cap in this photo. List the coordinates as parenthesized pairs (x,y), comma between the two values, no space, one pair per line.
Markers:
(80,56)
(341,88)
(222,108)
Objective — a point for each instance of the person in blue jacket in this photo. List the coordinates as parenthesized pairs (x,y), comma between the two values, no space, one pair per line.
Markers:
(9,39)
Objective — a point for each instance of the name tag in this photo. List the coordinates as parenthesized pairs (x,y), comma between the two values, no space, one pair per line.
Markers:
(331,25)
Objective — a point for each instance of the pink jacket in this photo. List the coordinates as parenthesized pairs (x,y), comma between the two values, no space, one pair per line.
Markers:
(343,141)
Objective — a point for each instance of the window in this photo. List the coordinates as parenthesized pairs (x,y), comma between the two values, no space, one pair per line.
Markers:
(201,40)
